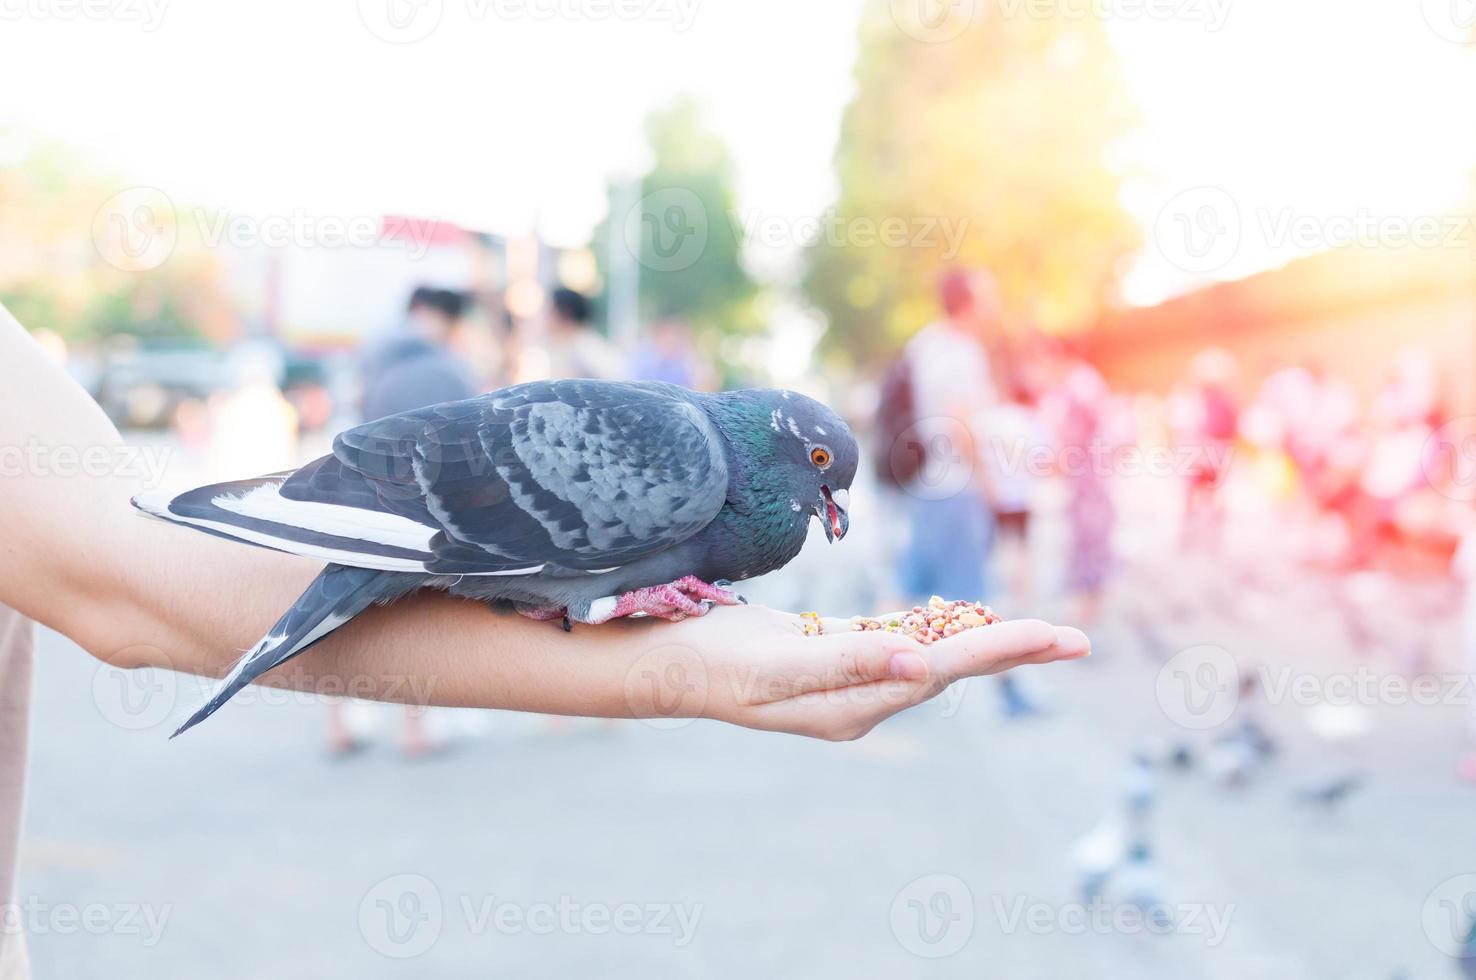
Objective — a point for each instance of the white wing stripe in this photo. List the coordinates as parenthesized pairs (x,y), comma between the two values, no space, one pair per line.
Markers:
(265,503)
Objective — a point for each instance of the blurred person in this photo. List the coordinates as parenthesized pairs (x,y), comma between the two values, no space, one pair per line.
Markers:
(412,368)
(1014,431)
(1463,568)
(253,425)
(1204,418)
(1078,409)
(575,348)
(951,391)
(1401,422)
(669,355)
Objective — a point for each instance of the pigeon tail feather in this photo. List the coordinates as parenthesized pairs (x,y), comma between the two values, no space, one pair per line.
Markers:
(338,594)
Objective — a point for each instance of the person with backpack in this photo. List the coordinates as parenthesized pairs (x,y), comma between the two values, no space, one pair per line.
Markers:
(931,427)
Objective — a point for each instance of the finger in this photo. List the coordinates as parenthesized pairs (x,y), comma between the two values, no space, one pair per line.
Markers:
(990,649)
(840,660)
(845,712)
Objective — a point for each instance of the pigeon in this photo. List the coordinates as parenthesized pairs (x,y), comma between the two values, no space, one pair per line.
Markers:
(573,501)
(1329,793)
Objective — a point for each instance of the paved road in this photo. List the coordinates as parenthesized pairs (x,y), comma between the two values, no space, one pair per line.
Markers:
(242,852)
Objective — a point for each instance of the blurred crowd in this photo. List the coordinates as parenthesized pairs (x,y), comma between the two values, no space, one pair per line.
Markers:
(980,435)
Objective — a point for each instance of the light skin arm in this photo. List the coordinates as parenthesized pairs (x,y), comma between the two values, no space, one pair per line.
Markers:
(137,592)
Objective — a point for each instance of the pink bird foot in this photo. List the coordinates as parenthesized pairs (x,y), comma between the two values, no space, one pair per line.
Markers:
(674,602)
(545,614)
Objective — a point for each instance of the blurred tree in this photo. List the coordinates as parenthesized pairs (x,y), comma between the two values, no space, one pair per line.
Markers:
(53,273)
(987,134)
(679,229)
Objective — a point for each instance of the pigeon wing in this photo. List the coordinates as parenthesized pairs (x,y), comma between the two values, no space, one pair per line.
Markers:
(578,474)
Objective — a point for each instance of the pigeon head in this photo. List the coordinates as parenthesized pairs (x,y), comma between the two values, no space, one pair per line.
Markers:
(814,454)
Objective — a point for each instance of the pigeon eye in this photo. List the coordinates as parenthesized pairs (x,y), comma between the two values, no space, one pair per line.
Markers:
(820,456)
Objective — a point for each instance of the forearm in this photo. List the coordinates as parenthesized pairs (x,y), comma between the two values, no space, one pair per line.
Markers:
(197,601)
(134,592)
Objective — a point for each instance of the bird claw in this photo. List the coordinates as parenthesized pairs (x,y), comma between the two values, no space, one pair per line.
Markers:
(712,593)
(674,601)
(727,584)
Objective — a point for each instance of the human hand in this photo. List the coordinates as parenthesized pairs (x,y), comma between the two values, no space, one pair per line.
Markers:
(754,667)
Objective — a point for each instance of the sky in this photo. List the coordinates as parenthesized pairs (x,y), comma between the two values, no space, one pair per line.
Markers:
(509,115)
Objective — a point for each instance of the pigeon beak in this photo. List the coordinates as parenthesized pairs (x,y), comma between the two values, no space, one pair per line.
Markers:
(832,513)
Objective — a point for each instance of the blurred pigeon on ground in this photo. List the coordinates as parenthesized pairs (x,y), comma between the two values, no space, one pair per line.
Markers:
(1329,794)
(575,500)
(1141,885)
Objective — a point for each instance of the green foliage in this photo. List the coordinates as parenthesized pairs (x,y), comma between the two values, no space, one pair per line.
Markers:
(1001,132)
(52,273)
(679,226)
